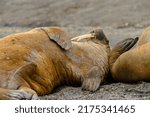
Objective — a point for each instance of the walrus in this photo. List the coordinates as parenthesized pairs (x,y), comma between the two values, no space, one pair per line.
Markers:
(145,37)
(131,65)
(33,63)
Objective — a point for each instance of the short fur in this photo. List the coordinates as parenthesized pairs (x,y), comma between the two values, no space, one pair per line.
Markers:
(35,62)
(132,65)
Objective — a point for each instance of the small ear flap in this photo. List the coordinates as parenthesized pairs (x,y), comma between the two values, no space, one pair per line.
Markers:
(59,36)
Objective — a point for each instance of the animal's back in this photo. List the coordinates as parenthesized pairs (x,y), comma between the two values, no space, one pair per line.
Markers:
(12,56)
(133,65)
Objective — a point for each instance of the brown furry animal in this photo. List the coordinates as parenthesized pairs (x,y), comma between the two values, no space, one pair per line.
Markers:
(145,37)
(133,65)
(35,62)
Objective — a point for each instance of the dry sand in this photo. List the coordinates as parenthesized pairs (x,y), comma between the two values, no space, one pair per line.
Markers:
(118,18)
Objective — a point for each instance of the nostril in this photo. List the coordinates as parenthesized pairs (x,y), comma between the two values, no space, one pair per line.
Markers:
(99,34)
(92,32)
(107,41)
(96,31)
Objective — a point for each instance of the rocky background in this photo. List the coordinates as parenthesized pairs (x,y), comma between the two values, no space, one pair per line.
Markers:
(118,18)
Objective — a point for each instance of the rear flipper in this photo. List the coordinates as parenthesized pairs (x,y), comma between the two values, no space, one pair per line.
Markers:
(22,94)
(120,48)
(92,80)
(126,44)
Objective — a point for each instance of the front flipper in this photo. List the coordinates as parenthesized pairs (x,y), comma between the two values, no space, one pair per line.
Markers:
(92,80)
(58,36)
(120,48)
(18,85)
(6,94)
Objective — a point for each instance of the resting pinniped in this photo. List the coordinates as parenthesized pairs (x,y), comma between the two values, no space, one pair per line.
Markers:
(33,63)
(133,65)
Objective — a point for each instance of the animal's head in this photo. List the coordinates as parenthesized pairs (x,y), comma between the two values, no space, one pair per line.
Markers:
(96,36)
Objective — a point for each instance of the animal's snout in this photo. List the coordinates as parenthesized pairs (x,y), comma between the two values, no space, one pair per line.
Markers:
(99,34)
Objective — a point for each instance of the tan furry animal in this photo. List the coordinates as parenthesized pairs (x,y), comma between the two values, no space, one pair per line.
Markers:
(33,63)
(145,37)
(132,65)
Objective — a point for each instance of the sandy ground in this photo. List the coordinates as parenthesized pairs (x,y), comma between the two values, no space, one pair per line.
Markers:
(118,18)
